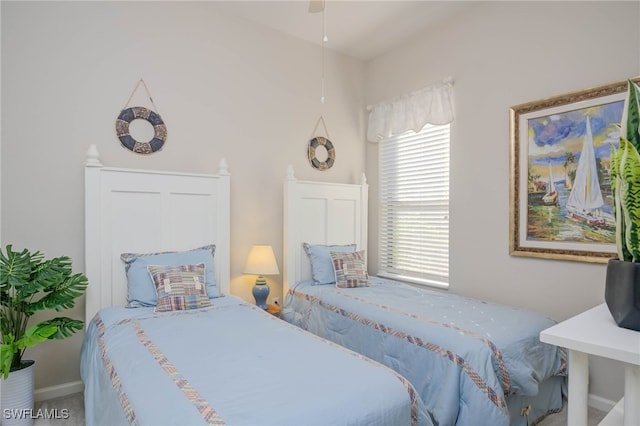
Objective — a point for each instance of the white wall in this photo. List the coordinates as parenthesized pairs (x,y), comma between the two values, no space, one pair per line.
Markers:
(501,54)
(224,87)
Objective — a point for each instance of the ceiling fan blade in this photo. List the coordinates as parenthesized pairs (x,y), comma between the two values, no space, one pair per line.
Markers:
(316,6)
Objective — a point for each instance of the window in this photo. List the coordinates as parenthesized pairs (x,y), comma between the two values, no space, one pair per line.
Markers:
(414,206)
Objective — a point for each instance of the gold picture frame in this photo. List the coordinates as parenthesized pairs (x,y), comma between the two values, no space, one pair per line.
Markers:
(560,206)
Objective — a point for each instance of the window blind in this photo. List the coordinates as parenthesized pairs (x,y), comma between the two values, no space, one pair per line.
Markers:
(414,206)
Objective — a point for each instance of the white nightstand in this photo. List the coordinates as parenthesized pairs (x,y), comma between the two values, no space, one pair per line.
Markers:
(595,332)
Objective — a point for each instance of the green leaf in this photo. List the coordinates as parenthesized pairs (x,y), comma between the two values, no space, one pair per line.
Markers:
(46,276)
(615,188)
(62,295)
(64,327)
(6,355)
(630,124)
(15,267)
(629,198)
(36,334)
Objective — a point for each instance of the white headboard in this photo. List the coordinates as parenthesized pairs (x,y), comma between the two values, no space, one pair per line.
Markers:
(142,211)
(320,213)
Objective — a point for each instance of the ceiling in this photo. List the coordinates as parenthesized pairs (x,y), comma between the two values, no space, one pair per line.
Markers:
(362,29)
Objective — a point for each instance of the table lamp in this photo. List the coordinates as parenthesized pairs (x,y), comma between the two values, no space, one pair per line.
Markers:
(261,261)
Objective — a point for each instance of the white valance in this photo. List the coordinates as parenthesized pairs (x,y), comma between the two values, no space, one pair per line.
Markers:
(432,104)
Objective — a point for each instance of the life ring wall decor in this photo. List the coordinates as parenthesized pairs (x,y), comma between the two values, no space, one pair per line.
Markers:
(122,130)
(331,153)
(128,114)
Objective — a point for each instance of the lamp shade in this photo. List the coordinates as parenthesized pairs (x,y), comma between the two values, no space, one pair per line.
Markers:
(261,261)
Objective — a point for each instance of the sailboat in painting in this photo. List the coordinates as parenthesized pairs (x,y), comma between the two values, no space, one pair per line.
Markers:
(551,197)
(585,201)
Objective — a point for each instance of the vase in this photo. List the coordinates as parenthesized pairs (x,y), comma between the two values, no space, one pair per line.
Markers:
(17,396)
(622,293)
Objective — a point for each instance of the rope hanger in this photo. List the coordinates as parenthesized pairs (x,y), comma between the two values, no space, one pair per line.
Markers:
(148,94)
(326,132)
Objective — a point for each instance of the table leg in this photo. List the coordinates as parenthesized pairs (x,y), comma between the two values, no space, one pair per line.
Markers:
(578,388)
(631,395)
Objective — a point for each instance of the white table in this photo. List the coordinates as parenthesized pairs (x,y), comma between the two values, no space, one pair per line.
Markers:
(595,332)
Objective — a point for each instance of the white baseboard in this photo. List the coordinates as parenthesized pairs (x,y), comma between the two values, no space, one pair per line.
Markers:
(600,403)
(58,391)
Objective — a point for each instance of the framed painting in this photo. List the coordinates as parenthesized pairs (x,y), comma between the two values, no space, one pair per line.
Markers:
(560,191)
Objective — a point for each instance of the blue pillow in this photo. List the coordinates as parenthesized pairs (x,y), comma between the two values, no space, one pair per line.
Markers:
(321,264)
(141,291)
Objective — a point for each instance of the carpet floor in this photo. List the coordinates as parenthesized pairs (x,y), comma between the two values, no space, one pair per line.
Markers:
(65,410)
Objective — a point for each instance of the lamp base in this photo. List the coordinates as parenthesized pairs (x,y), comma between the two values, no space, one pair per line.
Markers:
(261,292)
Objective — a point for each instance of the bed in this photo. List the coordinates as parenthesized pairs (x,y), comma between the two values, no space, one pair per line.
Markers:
(196,354)
(472,362)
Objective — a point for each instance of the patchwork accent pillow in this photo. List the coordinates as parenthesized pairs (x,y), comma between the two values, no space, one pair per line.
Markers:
(141,290)
(351,269)
(179,287)
(322,270)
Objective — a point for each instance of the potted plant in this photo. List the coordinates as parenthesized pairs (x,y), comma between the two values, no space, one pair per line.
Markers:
(622,287)
(29,283)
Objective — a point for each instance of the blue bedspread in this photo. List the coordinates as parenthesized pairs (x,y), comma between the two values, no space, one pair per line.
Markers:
(464,356)
(232,364)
